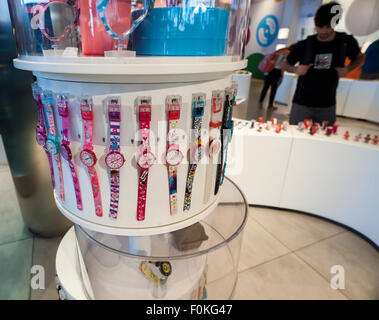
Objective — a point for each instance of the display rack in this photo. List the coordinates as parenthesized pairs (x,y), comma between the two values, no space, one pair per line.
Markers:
(134,100)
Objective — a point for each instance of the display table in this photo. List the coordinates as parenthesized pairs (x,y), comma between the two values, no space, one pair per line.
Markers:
(355,98)
(326,176)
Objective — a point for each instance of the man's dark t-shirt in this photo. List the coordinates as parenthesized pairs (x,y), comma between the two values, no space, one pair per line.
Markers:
(318,87)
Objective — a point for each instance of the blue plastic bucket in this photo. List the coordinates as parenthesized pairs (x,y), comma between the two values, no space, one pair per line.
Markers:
(177,31)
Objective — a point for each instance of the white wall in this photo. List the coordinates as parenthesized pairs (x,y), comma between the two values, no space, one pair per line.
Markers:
(258,10)
(361,19)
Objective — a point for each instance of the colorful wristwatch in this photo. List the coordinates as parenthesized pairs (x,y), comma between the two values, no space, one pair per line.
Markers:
(145,157)
(197,150)
(230,124)
(52,142)
(65,151)
(41,135)
(114,159)
(158,272)
(87,156)
(224,133)
(173,155)
(214,140)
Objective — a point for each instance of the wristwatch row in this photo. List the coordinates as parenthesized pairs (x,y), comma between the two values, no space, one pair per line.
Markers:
(220,135)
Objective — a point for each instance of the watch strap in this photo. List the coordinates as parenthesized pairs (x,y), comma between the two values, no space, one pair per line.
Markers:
(144,105)
(115,193)
(114,116)
(220,163)
(189,183)
(173,189)
(88,131)
(96,191)
(75,180)
(142,191)
(58,162)
(50,159)
(229,133)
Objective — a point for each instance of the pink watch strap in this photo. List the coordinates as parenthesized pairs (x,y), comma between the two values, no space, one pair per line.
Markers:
(88,131)
(61,184)
(86,109)
(142,190)
(144,173)
(115,193)
(75,180)
(96,191)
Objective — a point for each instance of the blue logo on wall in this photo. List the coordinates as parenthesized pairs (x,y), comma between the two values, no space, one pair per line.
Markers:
(267,31)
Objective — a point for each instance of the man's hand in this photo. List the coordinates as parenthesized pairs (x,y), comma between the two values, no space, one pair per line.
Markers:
(342,72)
(302,69)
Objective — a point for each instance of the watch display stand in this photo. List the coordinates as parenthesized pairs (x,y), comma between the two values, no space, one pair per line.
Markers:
(93,265)
(129,139)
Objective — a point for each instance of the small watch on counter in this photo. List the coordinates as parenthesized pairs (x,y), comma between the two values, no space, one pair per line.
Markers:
(367,138)
(358,137)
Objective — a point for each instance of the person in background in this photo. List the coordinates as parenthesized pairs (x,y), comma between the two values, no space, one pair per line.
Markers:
(319,62)
(274,78)
(370,70)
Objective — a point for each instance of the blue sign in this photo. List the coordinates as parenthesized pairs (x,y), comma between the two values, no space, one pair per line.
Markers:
(267,31)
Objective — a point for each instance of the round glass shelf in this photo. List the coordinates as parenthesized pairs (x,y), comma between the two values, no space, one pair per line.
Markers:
(197,262)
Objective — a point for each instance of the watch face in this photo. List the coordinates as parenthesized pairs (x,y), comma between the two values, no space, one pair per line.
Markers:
(41,139)
(198,154)
(88,158)
(114,160)
(174,157)
(173,135)
(66,152)
(215,147)
(51,147)
(145,160)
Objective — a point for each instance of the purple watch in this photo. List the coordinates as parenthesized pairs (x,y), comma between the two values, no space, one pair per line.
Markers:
(114,159)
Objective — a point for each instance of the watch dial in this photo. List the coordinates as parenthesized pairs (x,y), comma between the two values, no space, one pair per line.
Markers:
(114,160)
(87,158)
(215,147)
(174,157)
(145,160)
(51,147)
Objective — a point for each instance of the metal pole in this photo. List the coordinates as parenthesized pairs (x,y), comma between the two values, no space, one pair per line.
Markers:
(27,160)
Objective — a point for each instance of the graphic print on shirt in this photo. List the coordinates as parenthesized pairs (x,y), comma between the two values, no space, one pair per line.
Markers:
(323,61)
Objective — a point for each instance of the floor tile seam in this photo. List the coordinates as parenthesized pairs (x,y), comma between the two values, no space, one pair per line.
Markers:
(14,241)
(321,275)
(291,250)
(265,262)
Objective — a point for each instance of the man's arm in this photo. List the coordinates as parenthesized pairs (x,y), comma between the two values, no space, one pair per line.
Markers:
(288,63)
(355,55)
(300,70)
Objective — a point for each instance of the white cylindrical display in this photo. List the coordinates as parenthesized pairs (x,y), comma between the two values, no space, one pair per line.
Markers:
(158,218)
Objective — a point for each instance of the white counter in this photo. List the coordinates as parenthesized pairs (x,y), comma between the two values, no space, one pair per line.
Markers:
(325,176)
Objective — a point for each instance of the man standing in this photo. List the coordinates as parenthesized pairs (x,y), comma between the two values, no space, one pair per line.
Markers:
(321,59)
